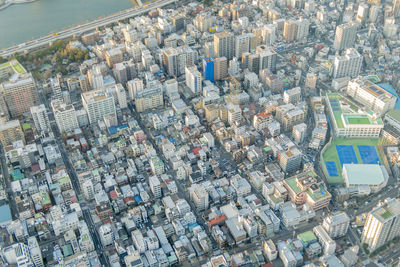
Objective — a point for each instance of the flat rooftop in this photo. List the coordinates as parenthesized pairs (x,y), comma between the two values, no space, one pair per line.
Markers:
(362,174)
(15,65)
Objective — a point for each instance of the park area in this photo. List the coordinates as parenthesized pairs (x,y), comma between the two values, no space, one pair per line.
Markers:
(349,151)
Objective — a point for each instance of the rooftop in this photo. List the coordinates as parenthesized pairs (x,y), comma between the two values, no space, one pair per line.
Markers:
(361,174)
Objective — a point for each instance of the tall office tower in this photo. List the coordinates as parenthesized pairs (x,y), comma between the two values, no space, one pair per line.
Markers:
(268,57)
(36,254)
(396,8)
(64,115)
(193,79)
(40,118)
(348,65)
(199,196)
(20,94)
(362,13)
(121,96)
(345,36)
(224,44)
(289,30)
(208,69)
(98,104)
(10,131)
(155,186)
(220,68)
(134,86)
(242,44)
(96,79)
(302,28)
(56,88)
(149,98)
(336,224)
(170,60)
(382,224)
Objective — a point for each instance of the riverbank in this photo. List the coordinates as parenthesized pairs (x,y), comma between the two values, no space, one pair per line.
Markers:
(7,3)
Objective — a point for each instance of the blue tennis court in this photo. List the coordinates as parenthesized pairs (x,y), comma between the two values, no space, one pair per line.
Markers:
(368,154)
(346,154)
(331,168)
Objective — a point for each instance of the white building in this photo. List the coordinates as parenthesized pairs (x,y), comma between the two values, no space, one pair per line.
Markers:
(193,79)
(65,116)
(121,96)
(40,118)
(382,225)
(365,177)
(336,224)
(36,254)
(347,65)
(199,196)
(98,104)
(326,241)
(134,86)
(155,186)
(106,234)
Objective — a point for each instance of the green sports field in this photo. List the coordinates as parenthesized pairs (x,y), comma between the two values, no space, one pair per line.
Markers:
(331,154)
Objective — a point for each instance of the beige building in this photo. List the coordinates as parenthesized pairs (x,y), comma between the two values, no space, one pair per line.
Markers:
(148,99)
(289,30)
(10,132)
(20,94)
(224,44)
(220,68)
(114,56)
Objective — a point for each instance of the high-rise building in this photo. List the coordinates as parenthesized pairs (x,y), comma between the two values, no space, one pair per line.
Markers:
(114,56)
(382,224)
(155,186)
(88,190)
(326,241)
(134,86)
(98,104)
(20,94)
(17,255)
(170,60)
(268,57)
(224,44)
(302,28)
(311,80)
(40,118)
(193,79)
(10,131)
(242,44)
(396,8)
(96,79)
(208,69)
(36,254)
(348,65)
(220,68)
(56,88)
(64,115)
(289,30)
(148,99)
(345,36)
(121,96)
(362,13)
(106,234)
(199,196)
(336,224)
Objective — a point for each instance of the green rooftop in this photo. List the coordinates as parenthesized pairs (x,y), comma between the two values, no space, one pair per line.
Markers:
(14,65)
(316,195)
(26,126)
(307,237)
(386,214)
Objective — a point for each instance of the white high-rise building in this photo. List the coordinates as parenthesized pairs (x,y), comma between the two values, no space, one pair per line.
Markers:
(56,88)
(64,115)
(17,254)
(40,118)
(199,196)
(303,26)
(98,104)
(134,86)
(121,96)
(382,225)
(326,241)
(336,224)
(106,234)
(36,254)
(348,65)
(345,36)
(242,44)
(155,186)
(193,79)
(88,190)
(96,79)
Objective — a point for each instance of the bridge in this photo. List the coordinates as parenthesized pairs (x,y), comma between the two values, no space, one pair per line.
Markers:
(83,28)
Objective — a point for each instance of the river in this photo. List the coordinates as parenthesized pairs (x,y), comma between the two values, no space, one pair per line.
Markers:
(23,22)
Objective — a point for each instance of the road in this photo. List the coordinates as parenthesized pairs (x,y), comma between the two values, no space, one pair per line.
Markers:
(83,28)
